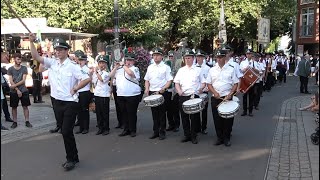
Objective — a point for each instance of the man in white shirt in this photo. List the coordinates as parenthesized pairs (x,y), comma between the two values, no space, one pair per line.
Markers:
(4,59)
(157,81)
(85,95)
(65,77)
(259,84)
(222,83)
(189,82)
(200,57)
(244,65)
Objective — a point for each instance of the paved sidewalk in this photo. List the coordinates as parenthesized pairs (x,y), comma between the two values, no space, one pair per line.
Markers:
(41,117)
(293,156)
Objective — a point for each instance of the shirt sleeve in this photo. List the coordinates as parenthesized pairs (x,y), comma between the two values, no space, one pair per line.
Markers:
(168,74)
(136,72)
(48,62)
(234,77)
(79,74)
(147,76)
(10,71)
(105,77)
(177,78)
(209,80)
(25,70)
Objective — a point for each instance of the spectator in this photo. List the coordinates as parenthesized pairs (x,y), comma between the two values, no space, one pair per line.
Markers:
(4,59)
(5,90)
(303,72)
(37,83)
(18,90)
(314,105)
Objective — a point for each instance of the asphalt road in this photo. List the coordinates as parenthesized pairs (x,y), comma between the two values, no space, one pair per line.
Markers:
(112,157)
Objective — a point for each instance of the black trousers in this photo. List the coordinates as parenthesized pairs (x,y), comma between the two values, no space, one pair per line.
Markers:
(169,111)
(36,91)
(159,115)
(58,120)
(269,81)
(251,93)
(66,112)
(128,108)
(83,115)
(259,90)
(303,84)
(190,122)
(114,91)
(173,113)
(223,126)
(204,117)
(102,112)
(5,108)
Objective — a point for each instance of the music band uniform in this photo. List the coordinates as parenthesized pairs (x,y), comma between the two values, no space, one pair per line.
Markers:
(222,80)
(157,78)
(190,81)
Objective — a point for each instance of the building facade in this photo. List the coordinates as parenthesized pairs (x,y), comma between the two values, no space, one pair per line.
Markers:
(307,28)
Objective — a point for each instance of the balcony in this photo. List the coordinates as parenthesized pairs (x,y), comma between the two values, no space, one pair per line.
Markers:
(306,31)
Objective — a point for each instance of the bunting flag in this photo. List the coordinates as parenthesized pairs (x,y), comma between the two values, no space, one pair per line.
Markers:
(222,25)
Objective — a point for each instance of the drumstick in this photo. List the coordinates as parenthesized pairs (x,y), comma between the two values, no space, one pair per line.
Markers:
(15,14)
(224,100)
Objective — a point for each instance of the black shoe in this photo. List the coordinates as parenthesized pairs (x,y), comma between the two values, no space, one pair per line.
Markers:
(75,161)
(9,119)
(218,142)
(35,101)
(307,92)
(54,130)
(227,143)
(170,128)
(40,101)
(14,125)
(69,165)
(4,128)
(244,114)
(204,131)
(162,136)
(85,131)
(250,114)
(154,136)
(99,132)
(301,92)
(124,133)
(194,140)
(106,132)
(133,134)
(185,139)
(176,130)
(77,123)
(78,132)
(28,124)
(256,108)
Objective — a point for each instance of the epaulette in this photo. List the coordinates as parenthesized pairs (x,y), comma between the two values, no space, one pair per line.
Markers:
(231,66)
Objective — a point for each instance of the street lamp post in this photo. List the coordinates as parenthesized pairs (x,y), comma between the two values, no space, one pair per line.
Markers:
(116,47)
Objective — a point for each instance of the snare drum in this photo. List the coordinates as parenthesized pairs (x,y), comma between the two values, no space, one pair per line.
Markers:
(193,106)
(153,100)
(228,109)
(204,98)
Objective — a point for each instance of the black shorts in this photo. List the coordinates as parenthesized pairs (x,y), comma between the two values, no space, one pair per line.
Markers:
(14,99)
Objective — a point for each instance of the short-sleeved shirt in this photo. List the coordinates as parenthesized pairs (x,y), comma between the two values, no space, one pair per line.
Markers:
(86,70)
(126,85)
(2,81)
(64,77)
(102,89)
(222,79)
(158,75)
(17,76)
(190,79)
(236,66)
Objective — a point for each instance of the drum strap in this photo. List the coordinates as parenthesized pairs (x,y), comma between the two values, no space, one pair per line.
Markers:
(135,82)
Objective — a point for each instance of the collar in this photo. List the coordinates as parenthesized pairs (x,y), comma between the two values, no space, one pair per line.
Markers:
(66,61)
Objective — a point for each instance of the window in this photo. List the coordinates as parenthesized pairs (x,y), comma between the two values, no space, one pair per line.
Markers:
(307,21)
(307,1)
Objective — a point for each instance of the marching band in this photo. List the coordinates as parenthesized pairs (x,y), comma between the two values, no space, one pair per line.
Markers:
(174,89)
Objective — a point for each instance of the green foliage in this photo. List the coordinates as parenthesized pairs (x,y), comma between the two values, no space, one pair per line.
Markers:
(160,22)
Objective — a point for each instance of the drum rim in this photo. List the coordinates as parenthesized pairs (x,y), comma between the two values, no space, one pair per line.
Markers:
(154,95)
(192,100)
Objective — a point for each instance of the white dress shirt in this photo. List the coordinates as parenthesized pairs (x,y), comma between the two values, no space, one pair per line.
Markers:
(190,80)
(236,66)
(64,77)
(126,87)
(102,88)
(86,70)
(158,75)
(222,79)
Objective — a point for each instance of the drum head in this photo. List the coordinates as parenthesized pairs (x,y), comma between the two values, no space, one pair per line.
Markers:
(203,95)
(228,107)
(192,101)
(152,97)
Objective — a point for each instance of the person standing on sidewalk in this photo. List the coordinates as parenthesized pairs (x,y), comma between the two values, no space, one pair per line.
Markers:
(84,95)
(18,90)
(65,75)
(37,84)
(4,59)
(304,70)
(5,89)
